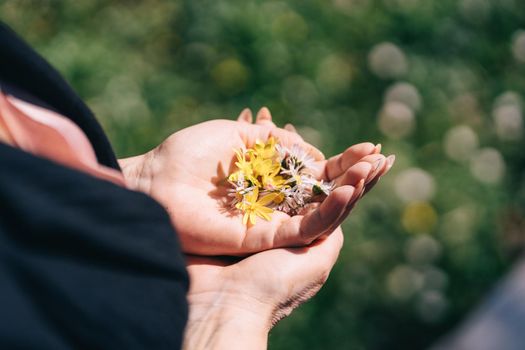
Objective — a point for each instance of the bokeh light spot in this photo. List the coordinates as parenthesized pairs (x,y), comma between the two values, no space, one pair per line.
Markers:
(431,306)
(299,91)
(488,166)
(518,46)
(415,185)
(334,74)
(387,60)
(422,249)
(419,217)
(403,282)
(230,76)
(405,93)
(396,120)
(508,121)
(460,143)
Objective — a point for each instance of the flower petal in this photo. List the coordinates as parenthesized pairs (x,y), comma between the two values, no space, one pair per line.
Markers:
(253,218)
(267,199)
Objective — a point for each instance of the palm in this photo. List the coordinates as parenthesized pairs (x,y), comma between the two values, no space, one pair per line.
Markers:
(189,180)
(192,186)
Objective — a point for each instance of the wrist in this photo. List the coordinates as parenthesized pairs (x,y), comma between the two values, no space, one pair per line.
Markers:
(226,323)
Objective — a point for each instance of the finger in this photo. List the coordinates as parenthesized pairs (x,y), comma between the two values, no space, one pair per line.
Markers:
(356,171)
(391,159)
(380,167)
(378,163)
(337,165)
(288,139)
(245,116)
(264,117)
(298,263)
(301,230)
(374,180)
(389,162)
(289,127)
(362,171)
(286,231)
(296,273)
(354,174)
(358,194)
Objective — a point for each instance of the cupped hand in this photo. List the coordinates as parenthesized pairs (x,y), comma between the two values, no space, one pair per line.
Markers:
(187,174)
(233,304)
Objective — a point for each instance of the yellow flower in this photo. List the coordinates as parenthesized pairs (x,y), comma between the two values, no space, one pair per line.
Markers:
(252,206)
(263,167)
(234,177)
(279,175)
(265,150)
(271,182)
(266,171)
(243,164)
(279,198)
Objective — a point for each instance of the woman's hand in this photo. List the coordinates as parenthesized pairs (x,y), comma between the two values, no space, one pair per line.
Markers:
(187,174)
(233,305)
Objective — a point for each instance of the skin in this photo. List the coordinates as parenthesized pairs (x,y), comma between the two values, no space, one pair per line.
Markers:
(233,305)
(187,173)
(234,302)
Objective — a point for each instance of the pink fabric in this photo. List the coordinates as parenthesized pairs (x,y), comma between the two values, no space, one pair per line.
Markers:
(49,135)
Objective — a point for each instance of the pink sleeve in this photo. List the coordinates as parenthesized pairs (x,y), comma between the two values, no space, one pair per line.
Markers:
(50,135)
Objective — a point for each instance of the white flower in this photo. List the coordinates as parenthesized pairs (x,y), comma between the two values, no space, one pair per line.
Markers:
(323,187)
(292,170)
(317,187)
(239,189)
(302,160)
(292,201)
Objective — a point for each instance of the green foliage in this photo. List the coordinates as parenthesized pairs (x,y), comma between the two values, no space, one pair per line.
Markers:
(438,82)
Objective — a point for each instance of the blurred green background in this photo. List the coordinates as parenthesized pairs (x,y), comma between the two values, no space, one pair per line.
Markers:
(439,83)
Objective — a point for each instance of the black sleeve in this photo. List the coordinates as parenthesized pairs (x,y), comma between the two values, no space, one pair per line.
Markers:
(84,264)
(27,72)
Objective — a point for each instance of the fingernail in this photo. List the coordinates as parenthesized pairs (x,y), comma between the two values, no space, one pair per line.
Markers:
(390,161)
(377,148)
(377,166)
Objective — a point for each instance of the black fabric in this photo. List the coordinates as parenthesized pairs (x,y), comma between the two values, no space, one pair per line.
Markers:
(24,69)
(84,263)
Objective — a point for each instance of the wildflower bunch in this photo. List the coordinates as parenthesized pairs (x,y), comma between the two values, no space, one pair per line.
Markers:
(272,177)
